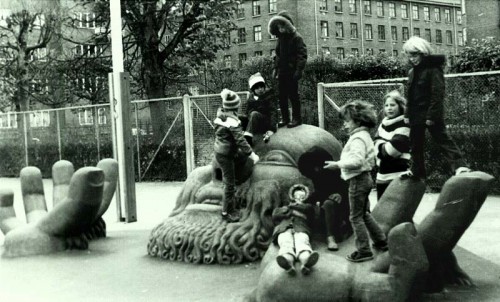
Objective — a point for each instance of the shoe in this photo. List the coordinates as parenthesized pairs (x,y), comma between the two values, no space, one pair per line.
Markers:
(309,262)
(233,216)
(358,257)
(294,123)
(286,263)
(331,244)
(381,246)
(283,123)
(461,170)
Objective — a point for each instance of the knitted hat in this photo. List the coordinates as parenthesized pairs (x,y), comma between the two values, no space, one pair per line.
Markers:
(254,79)
(286,15)
(230,100)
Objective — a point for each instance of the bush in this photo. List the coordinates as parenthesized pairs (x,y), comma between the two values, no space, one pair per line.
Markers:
(480,55)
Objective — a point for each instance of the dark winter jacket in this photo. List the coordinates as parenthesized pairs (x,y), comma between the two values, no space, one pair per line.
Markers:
(229,139)
(295,215)
(291,51)
(426,91)
(266,105)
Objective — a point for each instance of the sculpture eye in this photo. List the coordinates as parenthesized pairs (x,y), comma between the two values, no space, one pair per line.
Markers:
(278,157)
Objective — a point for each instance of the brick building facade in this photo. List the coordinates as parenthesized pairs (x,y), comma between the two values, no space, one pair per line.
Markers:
(483,19)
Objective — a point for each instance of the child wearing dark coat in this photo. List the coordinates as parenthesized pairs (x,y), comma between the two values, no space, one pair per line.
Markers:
(230,142)
(425,107)
(290,61)
(292,230)
(261,111)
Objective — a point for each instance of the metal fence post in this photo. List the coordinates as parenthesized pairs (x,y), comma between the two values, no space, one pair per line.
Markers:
(137,134)
(58,124)
(188,133)
(95,113)
(112,113)
(321,105)
(25,126)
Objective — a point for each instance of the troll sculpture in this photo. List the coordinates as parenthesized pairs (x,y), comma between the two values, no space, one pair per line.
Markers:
(79,200)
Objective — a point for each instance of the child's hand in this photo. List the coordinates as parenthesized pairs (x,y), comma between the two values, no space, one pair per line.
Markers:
(254,157)
(331,165)
(429,122)
(406,120)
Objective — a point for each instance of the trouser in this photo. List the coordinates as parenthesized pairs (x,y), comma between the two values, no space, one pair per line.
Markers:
(381,187)
(362,221)
(257,123)
(330,220)
(441,138)
(226,164)
(293,243)
(289,90)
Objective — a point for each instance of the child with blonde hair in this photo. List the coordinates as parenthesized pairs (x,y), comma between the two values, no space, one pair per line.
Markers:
(356,161)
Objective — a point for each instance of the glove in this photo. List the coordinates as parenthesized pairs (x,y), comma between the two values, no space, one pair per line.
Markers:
(254,157)
(297,75)
(406,120)
(267,136)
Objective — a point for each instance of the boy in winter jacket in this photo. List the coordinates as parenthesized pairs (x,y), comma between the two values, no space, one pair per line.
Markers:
(290,61)
(229,142)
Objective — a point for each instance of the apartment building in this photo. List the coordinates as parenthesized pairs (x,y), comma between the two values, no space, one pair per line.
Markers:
(483,19)
(349,27)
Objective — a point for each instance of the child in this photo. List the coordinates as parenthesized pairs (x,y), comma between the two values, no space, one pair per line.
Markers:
(290,61)
(356,161)
(392,142)
(261,109)
(228,139)
(292,231)
(426,91)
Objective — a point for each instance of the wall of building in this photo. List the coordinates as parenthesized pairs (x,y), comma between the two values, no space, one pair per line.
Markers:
(483,19)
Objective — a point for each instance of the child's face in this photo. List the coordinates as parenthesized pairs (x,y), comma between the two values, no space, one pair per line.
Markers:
(299,196)
(259,89)
(415,58)
(281,28)
(391,108)
(350,124)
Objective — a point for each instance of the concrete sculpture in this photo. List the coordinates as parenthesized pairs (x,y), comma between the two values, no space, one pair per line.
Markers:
(79,200)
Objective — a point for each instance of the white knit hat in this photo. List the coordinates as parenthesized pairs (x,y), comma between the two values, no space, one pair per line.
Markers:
(230,100)
(254,79)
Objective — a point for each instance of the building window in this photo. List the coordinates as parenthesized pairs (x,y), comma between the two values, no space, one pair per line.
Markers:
(8,120)
(240,11)
(339,29)
(369,51)
(85,20)
(447,15)
(354,30)
(437,14)
(368,32)
(460,37)
(273,6)
(449,39)
(414,12)
(242,57)
(439,36)
(257,33)
(381,50)
(228,61)
(322,5)
(367,7)
(325,51)
(381,32)
(324,29)
(406,33)
(39,54)
(338,6)
(242,35)
(392,10)
(416,31)
(353,9)
(85,117)
(427,14)
(255,7)
(395,53)
(258,53)
(380,9)
(459,16)
(102,117)
(272,52)
(355,52)
(428,35)
(340,53)
(404,11)
(40,118)
(394,33)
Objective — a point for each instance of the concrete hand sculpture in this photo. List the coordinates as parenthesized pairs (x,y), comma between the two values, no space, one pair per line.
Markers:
(79,200)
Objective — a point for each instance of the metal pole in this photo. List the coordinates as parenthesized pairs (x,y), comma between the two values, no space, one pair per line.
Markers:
(321,106)
(112,114)
(188,133)
(138,142)
(58,123)
(97,134)
(25,123)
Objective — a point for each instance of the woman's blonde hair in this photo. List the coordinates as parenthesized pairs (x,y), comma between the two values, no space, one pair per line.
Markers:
(398,98)
(360,112)
(417,44)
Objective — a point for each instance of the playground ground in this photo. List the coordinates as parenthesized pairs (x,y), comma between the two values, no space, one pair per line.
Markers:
(117,268)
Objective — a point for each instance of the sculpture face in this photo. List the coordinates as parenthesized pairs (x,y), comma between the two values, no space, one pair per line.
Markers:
(262,188)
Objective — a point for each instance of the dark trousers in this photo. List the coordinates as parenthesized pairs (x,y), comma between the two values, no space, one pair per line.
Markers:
(381,189)
(441,138)
(226,164)
(289,90)
(256,122)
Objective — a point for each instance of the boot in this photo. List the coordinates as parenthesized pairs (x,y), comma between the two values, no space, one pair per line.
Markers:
(331,244)
(286,262)
(294,123)
(283,123)
(308,260)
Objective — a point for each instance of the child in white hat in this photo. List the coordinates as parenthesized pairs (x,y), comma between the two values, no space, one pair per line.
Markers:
(229,141)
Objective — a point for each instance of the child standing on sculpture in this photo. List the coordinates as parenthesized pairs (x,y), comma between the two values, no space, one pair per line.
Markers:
(292,231)
(356,161)
(229,142)
(426,92)
(261,112)
(392,142)
(290,61)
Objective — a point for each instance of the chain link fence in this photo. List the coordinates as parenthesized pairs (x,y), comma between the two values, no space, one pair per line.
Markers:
(472,104)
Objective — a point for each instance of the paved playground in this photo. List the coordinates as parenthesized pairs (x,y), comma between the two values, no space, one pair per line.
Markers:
(117,268)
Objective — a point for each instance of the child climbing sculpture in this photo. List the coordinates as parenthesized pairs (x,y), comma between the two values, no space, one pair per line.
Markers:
(292,230)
